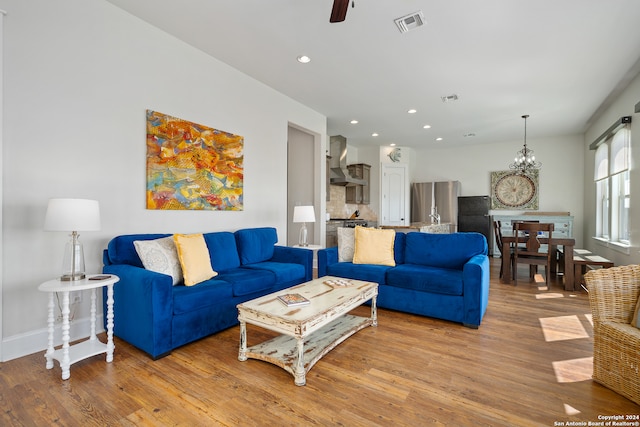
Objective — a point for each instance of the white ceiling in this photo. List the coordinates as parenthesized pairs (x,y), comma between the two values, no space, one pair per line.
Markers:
(556,60)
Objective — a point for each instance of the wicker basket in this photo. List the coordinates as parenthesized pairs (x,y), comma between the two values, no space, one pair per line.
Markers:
(613,294)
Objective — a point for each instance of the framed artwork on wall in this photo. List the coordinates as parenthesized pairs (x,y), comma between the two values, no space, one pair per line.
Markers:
(192,166)
(513,190)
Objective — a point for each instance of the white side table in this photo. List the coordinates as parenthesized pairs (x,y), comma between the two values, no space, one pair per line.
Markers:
(68,355)
(313,248)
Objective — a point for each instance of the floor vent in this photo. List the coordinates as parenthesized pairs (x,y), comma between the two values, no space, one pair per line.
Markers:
(410,22)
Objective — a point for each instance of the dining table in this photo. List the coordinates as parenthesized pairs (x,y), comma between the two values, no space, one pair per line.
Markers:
(509,238)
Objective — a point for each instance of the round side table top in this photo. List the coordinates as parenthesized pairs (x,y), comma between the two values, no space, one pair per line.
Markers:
(90,282)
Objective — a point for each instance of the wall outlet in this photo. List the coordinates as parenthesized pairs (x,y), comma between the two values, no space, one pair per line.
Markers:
(75,297)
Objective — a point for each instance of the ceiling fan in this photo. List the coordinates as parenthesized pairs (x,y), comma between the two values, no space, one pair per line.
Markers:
(339,11)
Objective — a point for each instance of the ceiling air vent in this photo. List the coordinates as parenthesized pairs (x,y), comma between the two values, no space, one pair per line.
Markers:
(410,22)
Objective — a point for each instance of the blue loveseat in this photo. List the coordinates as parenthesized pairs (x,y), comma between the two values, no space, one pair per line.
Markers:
(156,316)
(445,276)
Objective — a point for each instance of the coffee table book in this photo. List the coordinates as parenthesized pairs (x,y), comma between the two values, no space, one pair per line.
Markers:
(292,300)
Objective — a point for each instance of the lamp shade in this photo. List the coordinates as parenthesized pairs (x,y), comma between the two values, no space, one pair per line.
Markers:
(304,214)
(72,215)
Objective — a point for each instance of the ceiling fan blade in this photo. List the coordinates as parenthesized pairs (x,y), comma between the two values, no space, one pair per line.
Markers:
(339,11)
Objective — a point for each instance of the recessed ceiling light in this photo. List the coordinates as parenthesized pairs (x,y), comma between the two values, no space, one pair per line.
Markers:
(304,59)
(353,122)
(393,144)
(374,134)
(426,127)
(412,111)
(439,139)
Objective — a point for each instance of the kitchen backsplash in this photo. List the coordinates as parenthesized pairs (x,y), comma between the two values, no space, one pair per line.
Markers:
(338,208)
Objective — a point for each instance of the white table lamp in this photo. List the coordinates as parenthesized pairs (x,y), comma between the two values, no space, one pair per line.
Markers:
(303,214)
(73,215)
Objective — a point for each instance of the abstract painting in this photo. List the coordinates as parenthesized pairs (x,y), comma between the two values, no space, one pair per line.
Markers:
(191,166)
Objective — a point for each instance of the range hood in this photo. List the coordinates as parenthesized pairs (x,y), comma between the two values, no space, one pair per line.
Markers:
(339,174)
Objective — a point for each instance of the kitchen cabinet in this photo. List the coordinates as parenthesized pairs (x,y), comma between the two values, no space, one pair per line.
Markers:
(332,233)
(356,193)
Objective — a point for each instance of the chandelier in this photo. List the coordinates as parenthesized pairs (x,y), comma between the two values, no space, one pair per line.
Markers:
(525,160)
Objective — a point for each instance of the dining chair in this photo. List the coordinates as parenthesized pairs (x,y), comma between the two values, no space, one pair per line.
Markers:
(497,231)
(531,253)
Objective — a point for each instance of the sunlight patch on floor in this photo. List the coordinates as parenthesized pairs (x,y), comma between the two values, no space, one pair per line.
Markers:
(589,318)
(549,295)
(570,410)
(574,370)
(562,328)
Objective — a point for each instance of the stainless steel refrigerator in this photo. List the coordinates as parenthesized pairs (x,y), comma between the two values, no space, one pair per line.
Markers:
(428,198)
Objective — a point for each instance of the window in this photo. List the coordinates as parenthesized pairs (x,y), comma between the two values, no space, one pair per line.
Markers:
(612,179)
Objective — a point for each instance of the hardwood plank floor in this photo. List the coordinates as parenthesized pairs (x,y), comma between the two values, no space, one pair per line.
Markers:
(528,364)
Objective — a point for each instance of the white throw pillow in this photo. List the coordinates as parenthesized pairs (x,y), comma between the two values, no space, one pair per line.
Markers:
(346,244)
(161,256)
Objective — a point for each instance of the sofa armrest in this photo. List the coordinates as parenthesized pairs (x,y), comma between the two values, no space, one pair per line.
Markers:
(475,282)
(143,308)
(326,257)
(296,256)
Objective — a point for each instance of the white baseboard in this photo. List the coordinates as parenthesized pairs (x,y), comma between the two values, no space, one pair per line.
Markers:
(32,342)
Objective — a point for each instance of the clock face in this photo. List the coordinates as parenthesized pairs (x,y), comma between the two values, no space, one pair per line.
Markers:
(514,190)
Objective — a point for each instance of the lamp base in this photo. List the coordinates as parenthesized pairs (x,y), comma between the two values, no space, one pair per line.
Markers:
(72,278)
(73,261)
(302,239)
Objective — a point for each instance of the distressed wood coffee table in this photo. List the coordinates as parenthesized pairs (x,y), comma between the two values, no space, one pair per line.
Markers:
(308,331)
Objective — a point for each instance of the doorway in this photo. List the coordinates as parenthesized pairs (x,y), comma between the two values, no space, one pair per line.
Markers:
(394,194)
(301,167)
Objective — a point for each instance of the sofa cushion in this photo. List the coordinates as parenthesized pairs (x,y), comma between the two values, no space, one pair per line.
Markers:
(374,246)
(194,258)
(246,281)
(187,299)
(398,248)
(443,250)
(222,250)
(368,272)
(426,279)
(121,250)
(284,272)
(161,256)
(256,244)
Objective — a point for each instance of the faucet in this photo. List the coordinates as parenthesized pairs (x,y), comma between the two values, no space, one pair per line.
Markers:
(434,215)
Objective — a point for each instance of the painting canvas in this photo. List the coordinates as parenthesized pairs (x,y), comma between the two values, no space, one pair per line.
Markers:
(191,166)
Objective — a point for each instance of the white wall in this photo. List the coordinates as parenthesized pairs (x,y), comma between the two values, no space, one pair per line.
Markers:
(79,76)
(561,182)
(622,106)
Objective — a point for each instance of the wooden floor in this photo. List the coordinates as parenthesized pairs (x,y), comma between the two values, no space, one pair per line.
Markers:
(528,364)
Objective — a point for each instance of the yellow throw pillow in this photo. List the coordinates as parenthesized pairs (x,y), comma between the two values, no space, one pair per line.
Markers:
(374,246)
(194,258)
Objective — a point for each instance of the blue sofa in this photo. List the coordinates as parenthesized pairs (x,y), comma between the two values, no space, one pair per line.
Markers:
(445,276)
(156,316)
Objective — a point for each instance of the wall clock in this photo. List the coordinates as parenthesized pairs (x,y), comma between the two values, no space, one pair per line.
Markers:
(511,190)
